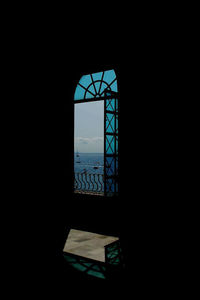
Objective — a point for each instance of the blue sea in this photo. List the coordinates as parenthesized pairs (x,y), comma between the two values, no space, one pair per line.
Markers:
(91,163)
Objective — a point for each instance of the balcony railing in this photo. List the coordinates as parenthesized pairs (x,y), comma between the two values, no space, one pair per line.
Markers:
(89,183)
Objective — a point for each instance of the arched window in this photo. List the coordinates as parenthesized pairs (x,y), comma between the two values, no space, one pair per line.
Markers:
(94,85)
(97,87)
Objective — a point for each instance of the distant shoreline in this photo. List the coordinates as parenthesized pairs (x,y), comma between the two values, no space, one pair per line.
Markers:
(89,153)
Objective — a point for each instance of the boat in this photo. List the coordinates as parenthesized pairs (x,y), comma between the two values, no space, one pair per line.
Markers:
(77,155)
(96,167)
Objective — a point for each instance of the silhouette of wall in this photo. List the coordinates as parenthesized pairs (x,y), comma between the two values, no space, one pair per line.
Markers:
(44,207)
(139,214)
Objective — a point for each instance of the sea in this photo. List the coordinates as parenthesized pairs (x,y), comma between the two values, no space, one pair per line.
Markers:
(91,163)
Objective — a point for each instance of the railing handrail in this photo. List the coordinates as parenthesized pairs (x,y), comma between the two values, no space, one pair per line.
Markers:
(89,182)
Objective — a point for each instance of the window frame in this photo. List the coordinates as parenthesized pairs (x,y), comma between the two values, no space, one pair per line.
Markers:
(108,96)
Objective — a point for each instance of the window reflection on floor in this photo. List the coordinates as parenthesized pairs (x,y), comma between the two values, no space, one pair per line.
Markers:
(92,253)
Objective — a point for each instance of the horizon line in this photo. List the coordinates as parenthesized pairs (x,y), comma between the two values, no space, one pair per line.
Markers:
(89,152)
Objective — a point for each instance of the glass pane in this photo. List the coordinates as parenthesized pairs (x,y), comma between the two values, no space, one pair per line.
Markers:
(92,90)
(114,86)
(117,124)
(109,76)
(97,76)
(110,187)
(110,104)
(117,165)
(117,105)
(79,93)
(85,80)
(110,144)
(97,84)
(103,87)
(110,123)
(117,145)
(110,166)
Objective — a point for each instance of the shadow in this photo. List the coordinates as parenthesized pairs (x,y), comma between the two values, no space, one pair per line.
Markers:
(141,213)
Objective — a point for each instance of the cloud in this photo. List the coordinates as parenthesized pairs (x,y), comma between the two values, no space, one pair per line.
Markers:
(86,141)
(92,144)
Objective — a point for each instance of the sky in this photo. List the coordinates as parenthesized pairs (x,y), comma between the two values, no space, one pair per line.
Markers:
(89,127)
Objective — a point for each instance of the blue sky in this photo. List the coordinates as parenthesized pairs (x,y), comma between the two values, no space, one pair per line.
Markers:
(89,128)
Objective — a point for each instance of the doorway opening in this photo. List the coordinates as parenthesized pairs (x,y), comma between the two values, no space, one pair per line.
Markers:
(89,148)
(96,98)
(96,164)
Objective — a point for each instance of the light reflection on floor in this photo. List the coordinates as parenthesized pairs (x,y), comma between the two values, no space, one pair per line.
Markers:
(88,244)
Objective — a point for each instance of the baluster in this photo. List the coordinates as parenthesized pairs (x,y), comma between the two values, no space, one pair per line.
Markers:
(92,187)
(95,182)
(83,179)
(101,186)
(80,187)
(97,175)
(88,183)
(75,182)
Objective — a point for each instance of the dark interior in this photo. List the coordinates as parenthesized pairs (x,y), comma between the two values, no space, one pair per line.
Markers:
(137,215)
(41,149)
(141,216)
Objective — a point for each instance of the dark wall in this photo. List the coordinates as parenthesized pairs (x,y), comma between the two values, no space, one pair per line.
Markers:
(140,214)
(41,153)
(43,150)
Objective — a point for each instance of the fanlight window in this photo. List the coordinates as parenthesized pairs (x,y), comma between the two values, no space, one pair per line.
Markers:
(94,85)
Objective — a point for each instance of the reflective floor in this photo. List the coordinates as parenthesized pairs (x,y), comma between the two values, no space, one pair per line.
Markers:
(87,244)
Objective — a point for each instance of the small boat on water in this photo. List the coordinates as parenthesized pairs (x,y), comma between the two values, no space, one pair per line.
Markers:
(77,155)
(96,166)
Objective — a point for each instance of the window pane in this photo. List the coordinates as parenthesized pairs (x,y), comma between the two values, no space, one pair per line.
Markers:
(79,93)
